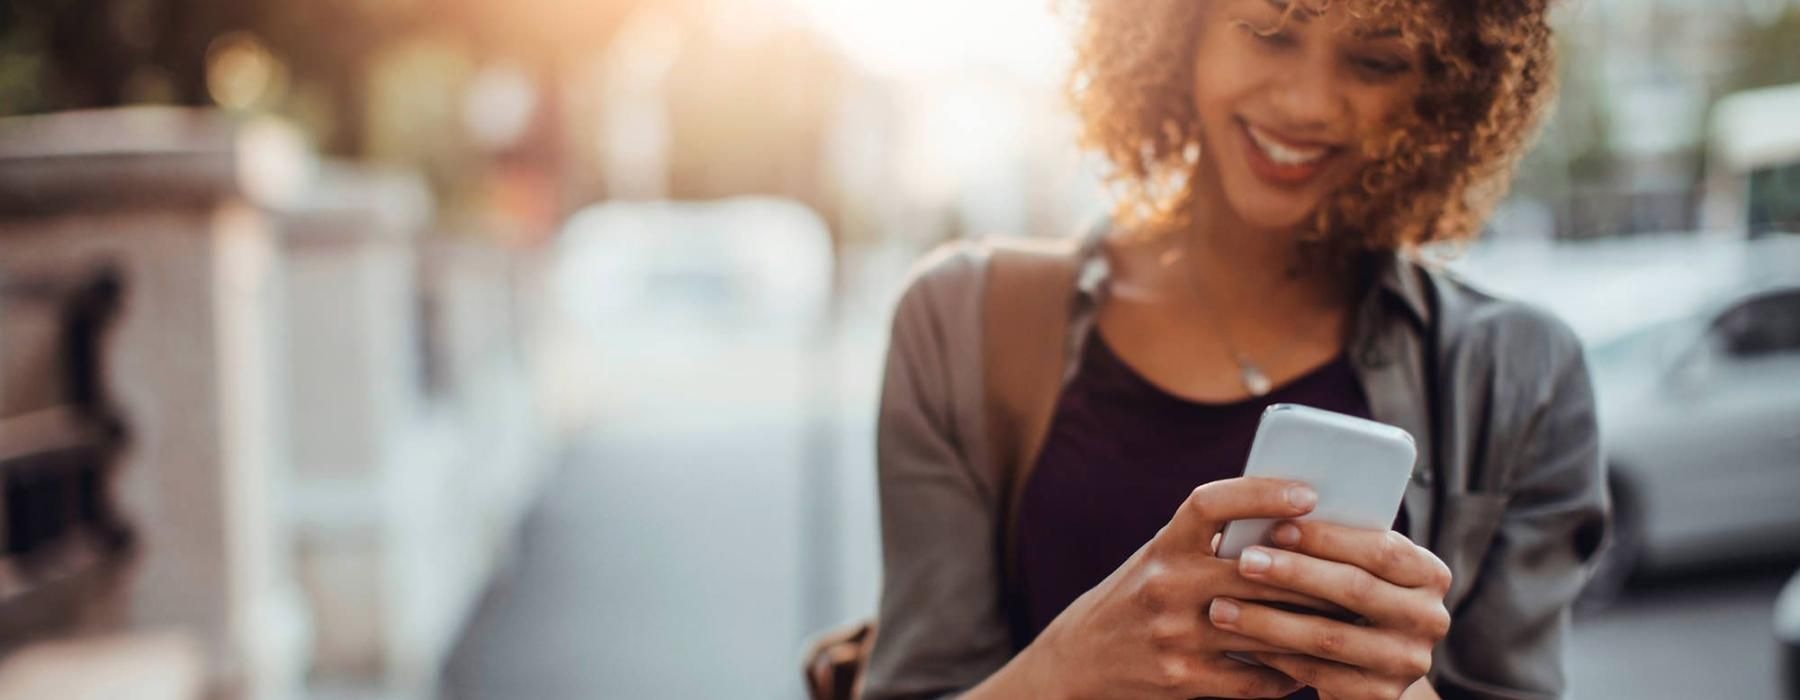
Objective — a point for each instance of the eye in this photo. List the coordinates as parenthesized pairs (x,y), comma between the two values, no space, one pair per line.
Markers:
(1281,38)
(1273,35)
(1381,67)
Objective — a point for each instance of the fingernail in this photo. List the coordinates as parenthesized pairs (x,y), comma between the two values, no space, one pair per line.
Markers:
(1302,497)
(1254,561)
(1223,612)
(1286,535)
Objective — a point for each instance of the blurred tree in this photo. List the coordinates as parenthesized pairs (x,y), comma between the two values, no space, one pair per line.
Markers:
(1574,150)
(65,54)
(1771,52)
(70,54)
(23,35)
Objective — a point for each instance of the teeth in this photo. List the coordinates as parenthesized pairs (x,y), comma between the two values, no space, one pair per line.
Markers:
(1283,154)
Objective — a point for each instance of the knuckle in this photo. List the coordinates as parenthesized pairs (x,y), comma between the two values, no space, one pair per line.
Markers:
(1393,552)
(1198,503)
(1441,578)
(1418,663)
(1327,643)
(1360,589)
(1170,631)
(1437,623)
(1156,591)
(1173,672)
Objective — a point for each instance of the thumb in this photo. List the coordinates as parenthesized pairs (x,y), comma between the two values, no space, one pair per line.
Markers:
(1209,507)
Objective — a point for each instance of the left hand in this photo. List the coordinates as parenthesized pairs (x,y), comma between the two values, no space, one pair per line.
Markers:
(1397,587)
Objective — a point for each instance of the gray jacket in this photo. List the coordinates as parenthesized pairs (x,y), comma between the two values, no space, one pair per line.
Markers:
(1509,489)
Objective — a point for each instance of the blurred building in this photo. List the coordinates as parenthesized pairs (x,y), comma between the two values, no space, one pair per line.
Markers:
(1628,149)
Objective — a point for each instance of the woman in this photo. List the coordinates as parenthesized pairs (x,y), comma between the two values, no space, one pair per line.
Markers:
(1283,161)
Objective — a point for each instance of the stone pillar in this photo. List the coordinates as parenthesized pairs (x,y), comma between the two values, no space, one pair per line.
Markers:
(366,460)
(415,446)
(176,202)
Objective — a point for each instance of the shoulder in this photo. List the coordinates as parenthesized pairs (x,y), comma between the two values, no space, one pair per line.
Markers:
(938,299)
(951,271)
(951,279)
(1517,338)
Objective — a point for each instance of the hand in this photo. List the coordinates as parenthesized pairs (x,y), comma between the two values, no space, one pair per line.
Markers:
(1142,632)
(1397,587)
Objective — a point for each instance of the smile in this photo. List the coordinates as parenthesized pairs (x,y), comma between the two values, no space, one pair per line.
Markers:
(1283,162)
(1284,154)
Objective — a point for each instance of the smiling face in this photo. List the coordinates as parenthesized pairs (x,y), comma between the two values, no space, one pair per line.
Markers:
(1285,103)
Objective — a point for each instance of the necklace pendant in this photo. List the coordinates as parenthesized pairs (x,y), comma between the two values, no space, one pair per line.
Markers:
(1255,381)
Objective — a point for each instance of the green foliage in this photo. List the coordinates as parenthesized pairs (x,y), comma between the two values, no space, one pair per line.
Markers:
(1771,53)
(22,38)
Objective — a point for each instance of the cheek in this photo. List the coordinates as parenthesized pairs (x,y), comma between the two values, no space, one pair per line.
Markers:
(1379,109)
(1222,79)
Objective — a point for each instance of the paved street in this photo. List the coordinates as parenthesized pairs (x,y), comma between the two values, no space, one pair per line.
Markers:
(665,560)
(1694,637)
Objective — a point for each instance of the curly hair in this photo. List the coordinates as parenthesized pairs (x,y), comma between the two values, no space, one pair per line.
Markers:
(1433,176)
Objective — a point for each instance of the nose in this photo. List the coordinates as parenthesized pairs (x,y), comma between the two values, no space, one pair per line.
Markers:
(1309,98)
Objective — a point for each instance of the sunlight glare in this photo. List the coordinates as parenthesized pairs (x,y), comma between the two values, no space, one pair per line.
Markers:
(920,37)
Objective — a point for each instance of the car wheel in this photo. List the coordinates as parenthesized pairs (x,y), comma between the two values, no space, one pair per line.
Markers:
(1787,634)
(1619,558)
(1790,660)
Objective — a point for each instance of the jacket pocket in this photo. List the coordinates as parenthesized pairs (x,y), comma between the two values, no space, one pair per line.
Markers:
(1467,526)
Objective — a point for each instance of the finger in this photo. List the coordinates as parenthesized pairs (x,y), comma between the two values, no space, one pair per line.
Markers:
(1388,555)
(1359,591)
(1382,651)
(1331,678)
(1227,678)
(1218,640)
(1210,506)
(1226,580)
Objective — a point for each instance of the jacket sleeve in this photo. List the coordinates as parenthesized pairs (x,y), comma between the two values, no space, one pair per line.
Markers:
(1511,632)
(940,627)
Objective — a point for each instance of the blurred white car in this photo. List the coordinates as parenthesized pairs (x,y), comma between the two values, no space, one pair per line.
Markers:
(761,266)
(1694,343)
(656,303)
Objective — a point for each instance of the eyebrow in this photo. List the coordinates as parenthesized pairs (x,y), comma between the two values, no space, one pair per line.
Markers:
(1283,6)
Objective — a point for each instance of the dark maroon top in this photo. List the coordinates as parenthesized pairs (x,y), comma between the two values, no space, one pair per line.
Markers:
(1120,456)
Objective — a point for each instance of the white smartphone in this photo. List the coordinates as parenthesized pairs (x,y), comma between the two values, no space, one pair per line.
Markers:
(1359,468)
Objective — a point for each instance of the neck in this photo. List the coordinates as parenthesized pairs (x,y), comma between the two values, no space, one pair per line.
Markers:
(1248,266)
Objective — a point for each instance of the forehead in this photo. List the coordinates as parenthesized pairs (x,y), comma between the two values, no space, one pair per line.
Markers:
(1364,18)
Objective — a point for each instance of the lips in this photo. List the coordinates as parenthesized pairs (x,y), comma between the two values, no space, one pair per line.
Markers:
(1285,162)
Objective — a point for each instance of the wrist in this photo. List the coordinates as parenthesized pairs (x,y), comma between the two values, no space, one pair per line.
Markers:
(1031,673)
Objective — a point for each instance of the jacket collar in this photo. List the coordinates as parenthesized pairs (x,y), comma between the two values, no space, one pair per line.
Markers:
(1393,276)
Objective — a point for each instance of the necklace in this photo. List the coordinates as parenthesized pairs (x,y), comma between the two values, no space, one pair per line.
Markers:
(1254,379)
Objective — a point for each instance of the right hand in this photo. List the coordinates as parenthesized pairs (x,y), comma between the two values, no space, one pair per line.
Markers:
(1144,632)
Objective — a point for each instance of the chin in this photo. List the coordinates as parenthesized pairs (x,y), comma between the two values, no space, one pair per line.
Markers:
(1274,211)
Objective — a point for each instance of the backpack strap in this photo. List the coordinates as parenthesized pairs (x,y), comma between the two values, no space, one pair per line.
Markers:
(1025,319)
